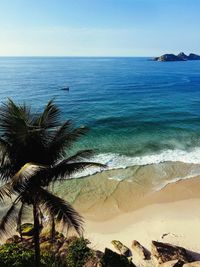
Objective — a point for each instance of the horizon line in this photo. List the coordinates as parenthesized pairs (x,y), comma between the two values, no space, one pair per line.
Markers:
(70,56)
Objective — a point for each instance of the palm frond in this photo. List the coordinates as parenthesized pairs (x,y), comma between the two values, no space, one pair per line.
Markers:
(5,191)
(56,146)
(74,135)
(63,138)
(64,169)
(81,155)
(50,116)
(14,120)
(6,171)
(61,210)
(9,218)
(21,179)
(19,218)
(5,149)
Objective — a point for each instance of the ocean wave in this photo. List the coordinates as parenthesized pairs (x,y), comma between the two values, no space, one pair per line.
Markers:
(116,161)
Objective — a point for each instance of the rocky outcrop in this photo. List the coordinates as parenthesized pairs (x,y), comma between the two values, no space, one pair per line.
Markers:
(164,252)
(180,57)
(27,229)
(168,57)
(113,259)
(67,248)
(140,250)
(94,261)
(122,249)
(193,57)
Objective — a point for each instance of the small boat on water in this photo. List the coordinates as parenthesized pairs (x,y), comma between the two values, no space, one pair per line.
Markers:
(65,88)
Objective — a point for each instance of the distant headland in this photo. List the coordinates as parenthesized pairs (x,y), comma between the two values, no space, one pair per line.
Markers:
(180,57)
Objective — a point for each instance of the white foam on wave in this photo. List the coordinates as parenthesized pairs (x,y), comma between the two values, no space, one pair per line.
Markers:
(116,161)
(175,180)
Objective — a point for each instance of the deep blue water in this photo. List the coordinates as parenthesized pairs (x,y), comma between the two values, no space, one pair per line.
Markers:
(133,106)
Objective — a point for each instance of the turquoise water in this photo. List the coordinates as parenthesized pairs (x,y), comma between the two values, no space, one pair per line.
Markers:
(139,111)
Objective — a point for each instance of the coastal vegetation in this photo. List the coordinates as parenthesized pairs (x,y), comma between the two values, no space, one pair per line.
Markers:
(34,154)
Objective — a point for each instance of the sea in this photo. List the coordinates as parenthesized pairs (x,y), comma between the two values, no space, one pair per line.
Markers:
(139,112)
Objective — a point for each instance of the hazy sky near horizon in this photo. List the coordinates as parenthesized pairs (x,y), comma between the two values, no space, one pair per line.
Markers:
(98,27)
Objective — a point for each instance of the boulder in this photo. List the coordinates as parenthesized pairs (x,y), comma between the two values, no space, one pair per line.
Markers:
(140,250)
(95,260)
(164,252)
(122,249)
(63,250)
(113,259)
(192,264)
(27,229)
(14,239)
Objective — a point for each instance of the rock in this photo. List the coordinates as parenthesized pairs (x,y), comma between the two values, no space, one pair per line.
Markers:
(63,250)
(168,57)
(192,264)
(140,250)
(113,259)
(183,56)
(121,248)
(27,229)
(14,239)
(180,57)
(164,252)
(193,57)
(174,263)
(95,260)
(91,263)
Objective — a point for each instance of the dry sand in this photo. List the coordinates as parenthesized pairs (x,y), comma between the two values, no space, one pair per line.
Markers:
(127,204)
(170,215)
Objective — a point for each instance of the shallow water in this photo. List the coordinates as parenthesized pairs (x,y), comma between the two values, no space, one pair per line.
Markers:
(110,193)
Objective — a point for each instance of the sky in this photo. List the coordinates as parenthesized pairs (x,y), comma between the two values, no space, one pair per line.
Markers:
(99,27)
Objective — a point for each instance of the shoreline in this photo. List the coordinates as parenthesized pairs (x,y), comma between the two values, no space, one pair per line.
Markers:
(171,215)
(108,194)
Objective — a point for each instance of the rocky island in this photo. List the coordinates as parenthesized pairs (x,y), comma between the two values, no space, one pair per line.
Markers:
(180,57)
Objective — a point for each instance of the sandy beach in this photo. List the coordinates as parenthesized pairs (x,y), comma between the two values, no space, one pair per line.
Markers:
(171,215)
(150,203)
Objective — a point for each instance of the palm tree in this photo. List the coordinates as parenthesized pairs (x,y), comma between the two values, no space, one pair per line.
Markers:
(34,154)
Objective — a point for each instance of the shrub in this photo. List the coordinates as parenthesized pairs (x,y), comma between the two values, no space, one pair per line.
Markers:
(49,260)
(78,253)
(12,255)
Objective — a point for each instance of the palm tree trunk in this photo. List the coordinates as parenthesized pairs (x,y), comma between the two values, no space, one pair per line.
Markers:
(36,234)
(20,233)
(53,229)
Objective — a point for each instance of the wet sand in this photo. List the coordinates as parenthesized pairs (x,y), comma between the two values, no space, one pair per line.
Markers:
(106,195)
(171,215)
(153,202)
(150,203)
